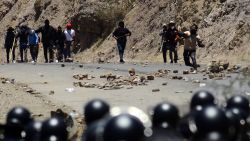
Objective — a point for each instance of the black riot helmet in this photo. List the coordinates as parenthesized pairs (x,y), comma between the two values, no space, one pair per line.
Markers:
(238,101)
(17,119)
(165,115)
(211,119)
(19,115)
(202,98)
(212,136)
(123,127)
(54,129)
(95,110)
(32,131)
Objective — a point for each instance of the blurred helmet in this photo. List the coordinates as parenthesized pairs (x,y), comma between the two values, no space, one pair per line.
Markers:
(95,110)
(124,127)
(19,115)
(238,101)
(211,119)
(202,98)
(32,131)
(165,115)
(54,129)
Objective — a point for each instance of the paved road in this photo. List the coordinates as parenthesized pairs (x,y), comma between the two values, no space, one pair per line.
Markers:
(59,78)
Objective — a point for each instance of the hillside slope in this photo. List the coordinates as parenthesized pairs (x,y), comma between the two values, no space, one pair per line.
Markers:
(224,25)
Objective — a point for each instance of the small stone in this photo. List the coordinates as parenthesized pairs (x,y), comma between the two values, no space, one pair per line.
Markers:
(204,78)
(196,81)
(211,76)
(98,67)
(202,84)
(165,84)
(155,90)
(51,92)
(185,72)
(175,71)
(116,69)
(62,65)
(150,77)
(45,82)
(81,66)
(131,72)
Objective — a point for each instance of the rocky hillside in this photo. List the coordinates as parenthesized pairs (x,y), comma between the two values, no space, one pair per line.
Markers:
(224,25)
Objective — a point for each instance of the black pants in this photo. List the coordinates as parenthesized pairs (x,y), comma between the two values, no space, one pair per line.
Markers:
(187,54)
(23,51)
(34,52)
(172,50)
(48,47)
(121,47)
(8,53)
(60,51)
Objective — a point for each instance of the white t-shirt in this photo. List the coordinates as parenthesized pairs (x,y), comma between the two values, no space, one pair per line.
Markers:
(70,34)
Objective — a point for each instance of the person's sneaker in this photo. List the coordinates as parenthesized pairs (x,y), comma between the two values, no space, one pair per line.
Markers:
(46,61)
(171,62)
(32,62)
(194,72)
(57,61)
(14,61)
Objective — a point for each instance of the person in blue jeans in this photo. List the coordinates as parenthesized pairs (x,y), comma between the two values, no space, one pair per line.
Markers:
(33,45)
(120,34)
(22,35)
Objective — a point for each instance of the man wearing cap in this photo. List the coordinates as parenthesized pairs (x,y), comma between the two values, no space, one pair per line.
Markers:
(48,40)
(169,38)
(70,37)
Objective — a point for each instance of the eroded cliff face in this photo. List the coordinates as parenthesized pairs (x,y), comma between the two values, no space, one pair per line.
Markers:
(224,25)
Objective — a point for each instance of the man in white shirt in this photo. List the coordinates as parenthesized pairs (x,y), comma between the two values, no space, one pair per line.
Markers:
(70,37)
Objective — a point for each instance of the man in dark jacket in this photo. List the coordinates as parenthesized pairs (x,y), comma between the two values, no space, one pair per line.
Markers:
(22,35)
(60,40)
(9,40)
(120,34)
(169,38)
(48,39)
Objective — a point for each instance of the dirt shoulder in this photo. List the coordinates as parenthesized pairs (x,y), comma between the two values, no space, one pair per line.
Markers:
(15,95)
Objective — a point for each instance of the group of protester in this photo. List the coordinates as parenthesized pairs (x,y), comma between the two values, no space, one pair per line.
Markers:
(62,41)
(170,38)
(52,39)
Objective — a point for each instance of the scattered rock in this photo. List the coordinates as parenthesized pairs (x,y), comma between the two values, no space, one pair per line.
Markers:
(185,72)
(81,66)
(155,90)
(62,65)
(196,81)
(150,77)
(81,76)
(175,71)
(165,84)
(211,76)
(98,67)
(131,72)
(51,92)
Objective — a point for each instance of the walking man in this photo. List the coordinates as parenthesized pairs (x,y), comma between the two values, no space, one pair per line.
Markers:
(192,39)
(48,39)
(169,38)
(23,42)
(70,37)
(33,45)
(8,45)
(120,34)
(60,40)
